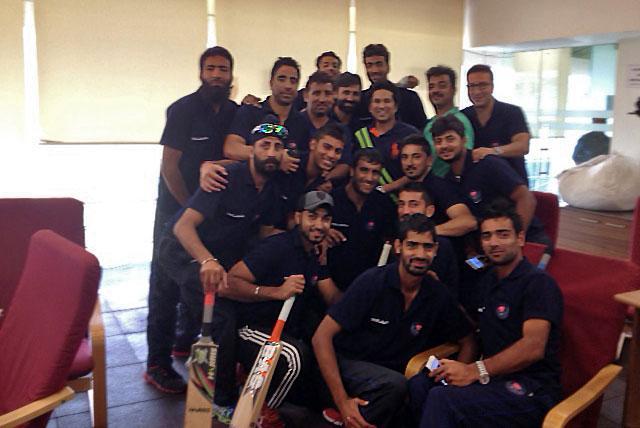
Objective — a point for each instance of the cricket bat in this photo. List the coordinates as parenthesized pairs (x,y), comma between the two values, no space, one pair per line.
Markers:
(384,254)
(202,373)
(255,388)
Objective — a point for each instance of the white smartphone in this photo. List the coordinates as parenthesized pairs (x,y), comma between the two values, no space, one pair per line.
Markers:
(432,364)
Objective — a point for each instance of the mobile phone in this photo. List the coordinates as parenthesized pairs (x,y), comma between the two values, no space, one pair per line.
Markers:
(477,262)
(294,153)
(432,364)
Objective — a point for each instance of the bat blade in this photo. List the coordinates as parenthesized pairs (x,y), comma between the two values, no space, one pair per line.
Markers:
(255,388)
(202,374)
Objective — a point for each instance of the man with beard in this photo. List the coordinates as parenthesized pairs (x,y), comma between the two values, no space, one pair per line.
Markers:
(285,76)
(451,215)
(281,266)
(348,87)
(194,132)
(212,233)
(482,182)
(315,171)
(413,198)
(387,315)
(316,166)
(409,106)
(518,379)
(329,63)
(441,82)
(385,134)
(479,183)
(319,95)
(500,128)
(363,216)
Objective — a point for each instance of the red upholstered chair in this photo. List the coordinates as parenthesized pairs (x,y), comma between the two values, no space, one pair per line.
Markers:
(50,310)
(548,212)
(19,219)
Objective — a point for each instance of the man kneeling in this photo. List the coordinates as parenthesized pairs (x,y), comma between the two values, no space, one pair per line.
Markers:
(386,316)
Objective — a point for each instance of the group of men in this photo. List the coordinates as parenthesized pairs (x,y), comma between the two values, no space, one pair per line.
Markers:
(298,194)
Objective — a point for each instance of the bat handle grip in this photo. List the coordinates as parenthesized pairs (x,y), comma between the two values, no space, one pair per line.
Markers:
(282,319)
(384,255)
(207,314)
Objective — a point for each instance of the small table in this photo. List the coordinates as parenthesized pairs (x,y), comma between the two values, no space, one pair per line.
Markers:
(631,418)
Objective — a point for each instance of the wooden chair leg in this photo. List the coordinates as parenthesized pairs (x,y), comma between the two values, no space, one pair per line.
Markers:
(98,395)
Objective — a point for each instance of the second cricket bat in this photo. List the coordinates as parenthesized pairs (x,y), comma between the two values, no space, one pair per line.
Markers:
(255,388)
(202,373)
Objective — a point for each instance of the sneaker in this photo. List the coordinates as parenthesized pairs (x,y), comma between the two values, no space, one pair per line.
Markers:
(223,413)
(333,417)
(165,379)
(269,418)
(180,352)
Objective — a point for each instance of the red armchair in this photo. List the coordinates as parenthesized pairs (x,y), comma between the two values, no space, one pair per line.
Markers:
(48,319)
(21,218)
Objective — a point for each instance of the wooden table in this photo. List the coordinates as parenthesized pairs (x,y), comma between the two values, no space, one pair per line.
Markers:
(631,417)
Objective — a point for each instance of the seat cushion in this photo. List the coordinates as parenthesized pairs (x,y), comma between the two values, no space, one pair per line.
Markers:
(83,361)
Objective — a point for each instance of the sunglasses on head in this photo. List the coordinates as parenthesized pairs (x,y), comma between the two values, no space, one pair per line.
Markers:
(270,128)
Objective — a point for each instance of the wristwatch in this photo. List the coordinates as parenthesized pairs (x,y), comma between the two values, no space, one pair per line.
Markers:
(484,374)
(497,150)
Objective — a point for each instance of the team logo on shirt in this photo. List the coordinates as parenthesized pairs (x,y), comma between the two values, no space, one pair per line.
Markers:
(416,328)
(502,311)
(476,196)
(515,387)
(370,225)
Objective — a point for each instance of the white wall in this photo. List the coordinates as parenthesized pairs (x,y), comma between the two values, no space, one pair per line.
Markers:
(626,127)
(12,86)
(500,22)
(418,33)
(109,69)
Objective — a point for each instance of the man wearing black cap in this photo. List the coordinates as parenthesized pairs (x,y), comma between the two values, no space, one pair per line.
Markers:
(214,230)
(284,265)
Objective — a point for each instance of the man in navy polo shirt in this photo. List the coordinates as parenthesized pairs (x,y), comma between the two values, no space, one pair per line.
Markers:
(386,316)
(319,94)
(386,133)
(214,230)
(285,76)
(316,166)
(500,128)
(409,106)
(284,265)
(414,198)
(364,217)
(518,379)
(194,132)
(480,182)
(348,87)
(329,63)
(451,215)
